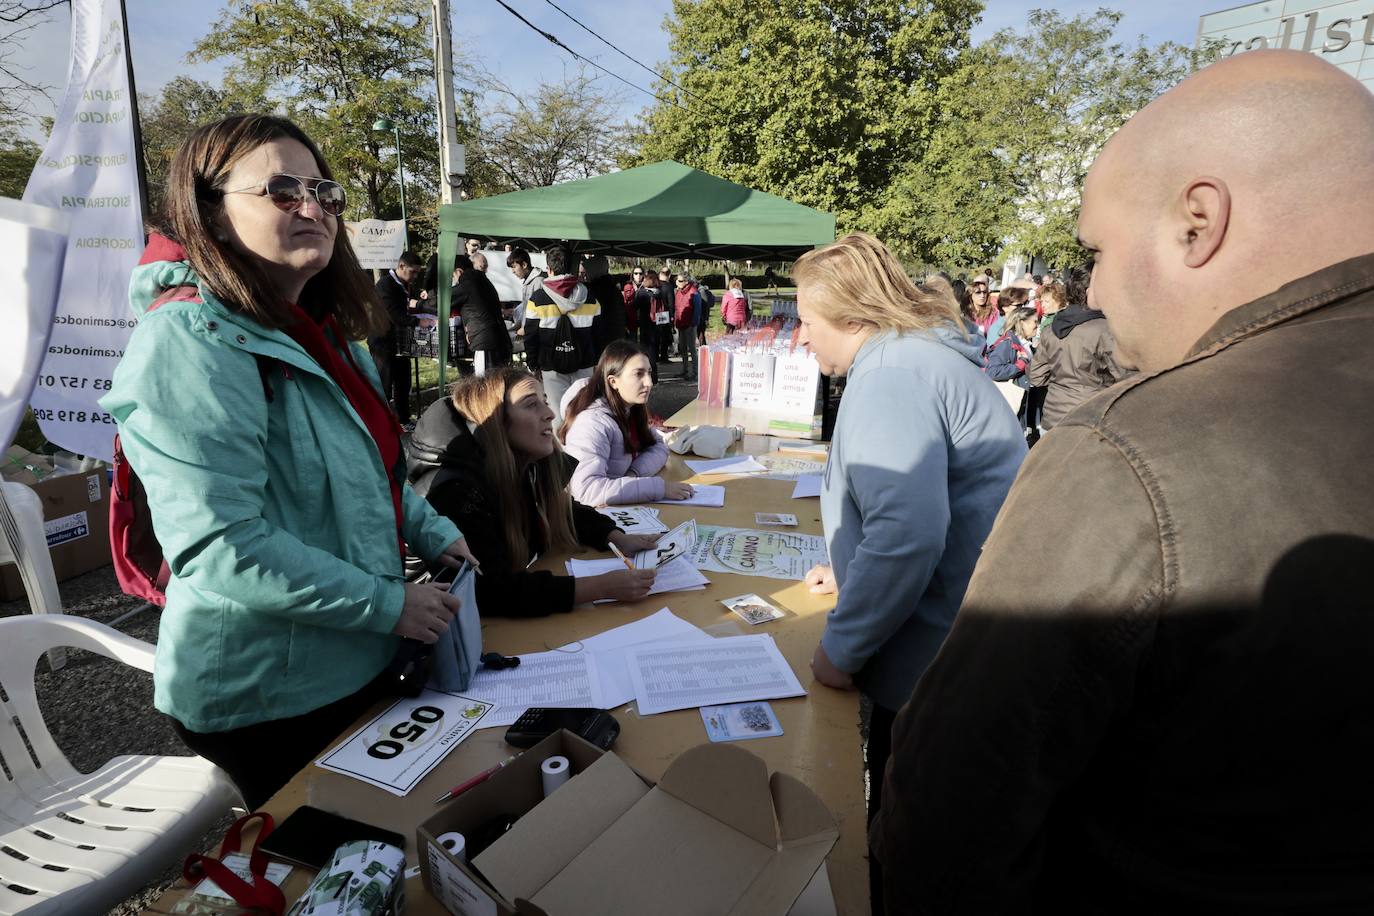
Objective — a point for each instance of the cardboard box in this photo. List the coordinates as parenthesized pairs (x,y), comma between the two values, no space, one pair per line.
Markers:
(76,514)
(716,835)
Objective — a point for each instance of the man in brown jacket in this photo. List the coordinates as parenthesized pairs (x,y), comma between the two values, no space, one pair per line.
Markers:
(1169,708)
(1076,358)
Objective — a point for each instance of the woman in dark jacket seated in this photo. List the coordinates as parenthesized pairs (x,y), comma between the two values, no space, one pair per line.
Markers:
(487,458)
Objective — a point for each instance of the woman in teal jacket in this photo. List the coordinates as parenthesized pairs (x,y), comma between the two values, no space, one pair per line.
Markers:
(273,467)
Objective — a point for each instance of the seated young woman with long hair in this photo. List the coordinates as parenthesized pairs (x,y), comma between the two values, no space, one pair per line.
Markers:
(487,455)
(606,428)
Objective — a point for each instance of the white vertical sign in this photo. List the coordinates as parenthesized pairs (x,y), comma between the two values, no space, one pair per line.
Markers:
(89,169)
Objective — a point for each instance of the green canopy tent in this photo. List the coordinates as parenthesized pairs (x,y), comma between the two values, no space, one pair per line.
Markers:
(661,210)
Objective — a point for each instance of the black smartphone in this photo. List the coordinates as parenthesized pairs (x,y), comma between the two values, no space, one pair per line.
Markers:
(309,836)
(538,722)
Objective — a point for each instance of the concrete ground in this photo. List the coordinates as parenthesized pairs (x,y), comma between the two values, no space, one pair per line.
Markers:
(97,709)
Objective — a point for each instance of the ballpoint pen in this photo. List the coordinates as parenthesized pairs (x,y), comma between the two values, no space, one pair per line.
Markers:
(624,559)
(474,781)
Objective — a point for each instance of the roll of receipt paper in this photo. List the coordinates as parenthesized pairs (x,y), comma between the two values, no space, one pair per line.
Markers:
(555,772)
(455,845)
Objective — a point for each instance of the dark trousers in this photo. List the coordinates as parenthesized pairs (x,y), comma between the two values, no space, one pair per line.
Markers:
(876,753)
(394,372)
(262,758)
(647,341)
(664,334)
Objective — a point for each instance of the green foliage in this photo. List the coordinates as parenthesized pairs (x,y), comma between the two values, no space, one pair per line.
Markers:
(825,103)
(563,130)
(335,67)
(17,159)
(168,118)
(1052,95)
(883,114)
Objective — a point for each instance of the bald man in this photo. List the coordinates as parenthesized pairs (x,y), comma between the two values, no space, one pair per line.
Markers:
(1158,694)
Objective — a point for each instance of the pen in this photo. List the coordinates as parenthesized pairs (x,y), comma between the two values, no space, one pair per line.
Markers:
(474,781)
(624,559)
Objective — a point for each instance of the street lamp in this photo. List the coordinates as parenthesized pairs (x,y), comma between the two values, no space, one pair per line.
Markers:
(383,125)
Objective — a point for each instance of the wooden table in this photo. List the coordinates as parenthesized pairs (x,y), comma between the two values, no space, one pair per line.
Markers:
(820,740)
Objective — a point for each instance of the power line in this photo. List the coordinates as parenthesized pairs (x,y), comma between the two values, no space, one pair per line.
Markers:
(608,44)
(554,39)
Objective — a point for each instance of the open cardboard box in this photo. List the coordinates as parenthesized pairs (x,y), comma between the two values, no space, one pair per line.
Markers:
(717,834)
(76,516)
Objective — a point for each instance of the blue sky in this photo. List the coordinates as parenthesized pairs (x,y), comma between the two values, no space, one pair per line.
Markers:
(162,31)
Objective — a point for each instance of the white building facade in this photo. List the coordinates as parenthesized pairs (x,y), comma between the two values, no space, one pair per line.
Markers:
(1340,32)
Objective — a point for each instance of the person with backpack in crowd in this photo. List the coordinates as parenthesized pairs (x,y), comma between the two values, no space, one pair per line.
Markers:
(686,309)
(708,301)
(1077,357)
(560,331)
(627,296)
(1010,356)
(272,465)
(734,309)
(486,458)
(389,347)
(606,428)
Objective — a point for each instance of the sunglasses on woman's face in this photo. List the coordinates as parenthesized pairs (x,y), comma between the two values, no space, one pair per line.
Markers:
(288,192)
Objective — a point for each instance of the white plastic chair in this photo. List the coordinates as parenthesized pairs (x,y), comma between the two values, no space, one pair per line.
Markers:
(24,542)
(73,843)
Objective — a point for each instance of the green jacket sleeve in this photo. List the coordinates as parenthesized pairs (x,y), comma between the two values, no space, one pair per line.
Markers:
(194,428)
(426,531)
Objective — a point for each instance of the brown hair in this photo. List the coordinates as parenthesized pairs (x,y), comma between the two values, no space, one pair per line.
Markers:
(482,400)
(857,279)
(632,420)
(1013,297)
(1054,290)
(195,202)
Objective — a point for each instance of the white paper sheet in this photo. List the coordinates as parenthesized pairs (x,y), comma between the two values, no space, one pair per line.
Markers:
(712,496)
(670,546)
(735,464)
(634,519)
(397,748)
(783,467)
(732,669)
(611,649)
(677,576)
(561,679)
(807,485)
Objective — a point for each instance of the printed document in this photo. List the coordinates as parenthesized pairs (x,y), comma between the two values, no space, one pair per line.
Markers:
(634,519)
(733,669)
(564,679)
(712,496)
(675,576)
(807,485)
(775,554)
(737,464)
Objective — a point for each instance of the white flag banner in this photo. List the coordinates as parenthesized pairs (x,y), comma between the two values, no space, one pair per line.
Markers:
(378,243)
(89,170)
(34,240)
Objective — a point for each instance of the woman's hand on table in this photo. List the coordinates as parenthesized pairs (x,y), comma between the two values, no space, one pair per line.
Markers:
(454,555)
(673,489)
(821,580)
(826,673)
(624,584)
(631,544)
(427,611)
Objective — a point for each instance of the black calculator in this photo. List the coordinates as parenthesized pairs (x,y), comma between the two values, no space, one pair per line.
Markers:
(596,726)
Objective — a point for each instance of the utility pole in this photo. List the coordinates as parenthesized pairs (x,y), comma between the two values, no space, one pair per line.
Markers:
(452,163)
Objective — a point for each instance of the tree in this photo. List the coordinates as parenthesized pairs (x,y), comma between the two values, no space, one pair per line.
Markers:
(562,130)
(17,90)
(18,156)
(825,103)
(335,67)
(169,117)
(1055,94)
